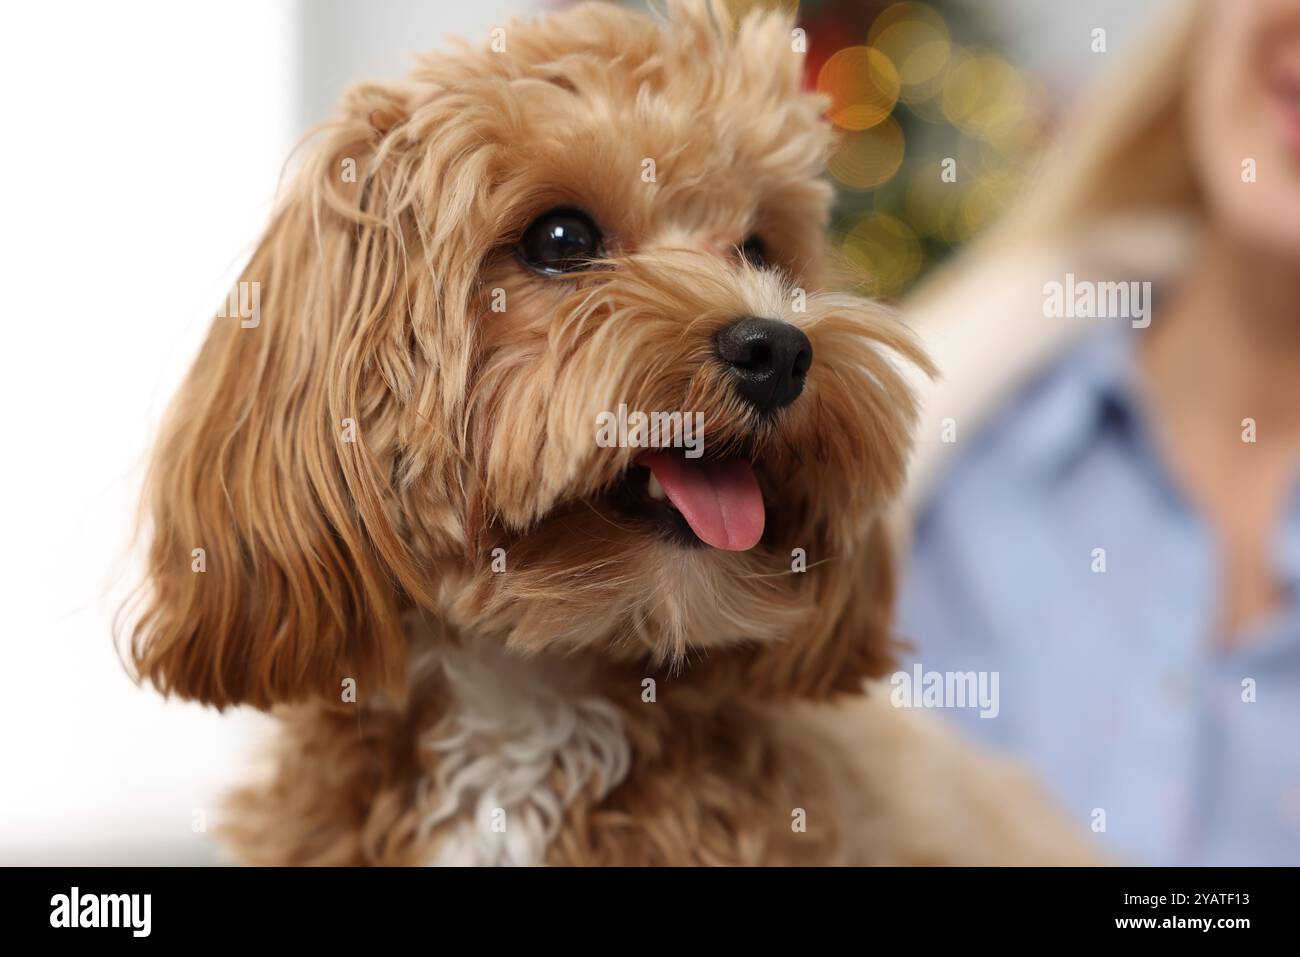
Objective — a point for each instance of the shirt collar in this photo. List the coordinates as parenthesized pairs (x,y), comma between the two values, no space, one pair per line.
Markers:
(1093,391)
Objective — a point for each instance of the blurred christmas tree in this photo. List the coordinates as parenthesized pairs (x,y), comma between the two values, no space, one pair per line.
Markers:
(935,129)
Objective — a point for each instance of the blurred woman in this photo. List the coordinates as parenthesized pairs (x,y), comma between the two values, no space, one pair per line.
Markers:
(1106,499)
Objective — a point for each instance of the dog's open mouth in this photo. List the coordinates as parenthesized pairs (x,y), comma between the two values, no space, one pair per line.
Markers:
(713,501)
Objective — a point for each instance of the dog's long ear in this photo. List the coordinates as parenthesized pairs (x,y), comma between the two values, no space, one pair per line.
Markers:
(275,570)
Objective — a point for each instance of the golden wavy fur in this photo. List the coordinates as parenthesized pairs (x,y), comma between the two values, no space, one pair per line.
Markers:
(350,464)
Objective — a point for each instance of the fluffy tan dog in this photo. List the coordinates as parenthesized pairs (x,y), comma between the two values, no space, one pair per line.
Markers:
(491,638)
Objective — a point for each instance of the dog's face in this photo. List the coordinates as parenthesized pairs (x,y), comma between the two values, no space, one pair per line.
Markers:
(482,280)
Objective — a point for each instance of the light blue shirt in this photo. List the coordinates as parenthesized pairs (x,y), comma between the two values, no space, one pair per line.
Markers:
(1112,685)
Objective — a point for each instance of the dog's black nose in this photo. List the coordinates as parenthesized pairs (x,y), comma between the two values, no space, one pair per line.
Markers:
(769,360)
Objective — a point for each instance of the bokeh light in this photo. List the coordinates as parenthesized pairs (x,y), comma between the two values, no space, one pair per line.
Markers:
(985,97)
(863,86)
(916,40)
(925,99)
(886,251)
(867,158)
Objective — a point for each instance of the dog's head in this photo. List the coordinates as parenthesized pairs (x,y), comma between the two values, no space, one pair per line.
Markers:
(491,289)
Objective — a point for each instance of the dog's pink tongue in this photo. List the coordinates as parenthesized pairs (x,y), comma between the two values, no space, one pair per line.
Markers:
(719,498)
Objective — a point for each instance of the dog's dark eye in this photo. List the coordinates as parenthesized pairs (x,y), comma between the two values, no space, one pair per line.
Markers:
(754,251)
(560,241)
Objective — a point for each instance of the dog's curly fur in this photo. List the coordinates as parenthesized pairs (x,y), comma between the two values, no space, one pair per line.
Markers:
(518,699)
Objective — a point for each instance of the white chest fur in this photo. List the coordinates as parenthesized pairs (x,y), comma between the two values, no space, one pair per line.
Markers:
(522,738)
